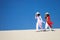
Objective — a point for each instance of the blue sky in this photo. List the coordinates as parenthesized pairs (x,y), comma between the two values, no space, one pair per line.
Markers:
(19,14)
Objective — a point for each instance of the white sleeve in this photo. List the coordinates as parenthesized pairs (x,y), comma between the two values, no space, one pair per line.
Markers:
(35,17)
(41,20)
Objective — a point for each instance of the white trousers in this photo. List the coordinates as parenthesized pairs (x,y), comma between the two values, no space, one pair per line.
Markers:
(38,25)
(46,26)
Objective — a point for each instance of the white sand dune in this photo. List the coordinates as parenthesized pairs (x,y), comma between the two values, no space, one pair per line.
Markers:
(29,35)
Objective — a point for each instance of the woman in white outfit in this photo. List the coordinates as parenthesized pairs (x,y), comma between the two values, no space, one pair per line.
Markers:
(39,21)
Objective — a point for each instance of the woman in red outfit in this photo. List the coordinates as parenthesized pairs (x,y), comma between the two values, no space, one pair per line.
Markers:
(48,21)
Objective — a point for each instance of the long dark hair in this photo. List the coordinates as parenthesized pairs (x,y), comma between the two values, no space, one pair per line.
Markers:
(46,15)
(38,15)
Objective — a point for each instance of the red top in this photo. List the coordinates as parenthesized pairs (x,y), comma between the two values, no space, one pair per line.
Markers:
(49,21)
